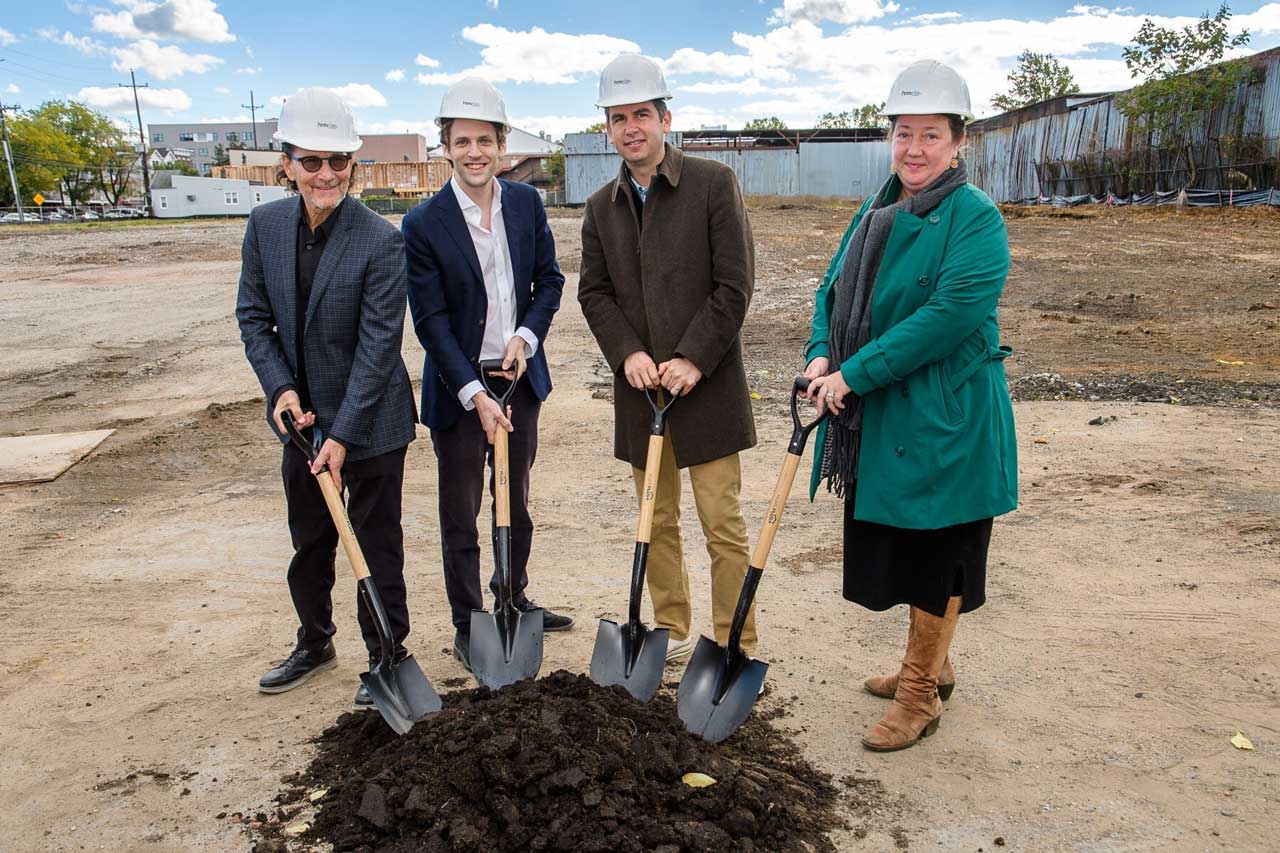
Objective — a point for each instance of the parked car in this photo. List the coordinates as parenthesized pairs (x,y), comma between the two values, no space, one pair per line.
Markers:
(58,216)
(23,217)
(88,216)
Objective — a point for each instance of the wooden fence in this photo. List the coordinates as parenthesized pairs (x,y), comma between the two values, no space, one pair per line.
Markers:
(401,178)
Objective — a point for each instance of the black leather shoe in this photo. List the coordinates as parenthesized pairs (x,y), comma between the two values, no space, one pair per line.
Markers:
(297,668)
(551,621)
(363,701)
(462,648)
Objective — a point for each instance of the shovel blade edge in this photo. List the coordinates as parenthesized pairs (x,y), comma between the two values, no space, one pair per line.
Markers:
(705,676)
(505,648)
(614,650)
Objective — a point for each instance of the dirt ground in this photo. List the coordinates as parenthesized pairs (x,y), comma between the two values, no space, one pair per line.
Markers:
(1131,627)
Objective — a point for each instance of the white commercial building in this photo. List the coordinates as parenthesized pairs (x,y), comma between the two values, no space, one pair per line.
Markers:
(176,196)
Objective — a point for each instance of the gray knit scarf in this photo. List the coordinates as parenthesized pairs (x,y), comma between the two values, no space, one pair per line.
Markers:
(851,315)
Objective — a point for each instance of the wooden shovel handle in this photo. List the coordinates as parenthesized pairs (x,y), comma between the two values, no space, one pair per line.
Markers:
(776,504)
(343,523)
(649,491)
(501,478)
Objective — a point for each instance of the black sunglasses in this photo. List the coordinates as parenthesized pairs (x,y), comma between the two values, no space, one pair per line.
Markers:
(312,163)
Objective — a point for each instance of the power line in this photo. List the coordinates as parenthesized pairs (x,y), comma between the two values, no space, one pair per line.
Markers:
(38,58)
(33,71)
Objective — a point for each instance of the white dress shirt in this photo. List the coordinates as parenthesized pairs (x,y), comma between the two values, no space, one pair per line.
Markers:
(495,265)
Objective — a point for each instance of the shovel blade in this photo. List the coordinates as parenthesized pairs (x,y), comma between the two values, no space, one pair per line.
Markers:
(401,693)
(617,646)
(718,691)
(506,646)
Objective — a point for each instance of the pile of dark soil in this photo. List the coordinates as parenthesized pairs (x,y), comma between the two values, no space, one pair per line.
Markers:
(1152,388)
(557,764)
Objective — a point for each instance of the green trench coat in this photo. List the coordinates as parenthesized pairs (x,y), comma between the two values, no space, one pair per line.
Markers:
(938,444)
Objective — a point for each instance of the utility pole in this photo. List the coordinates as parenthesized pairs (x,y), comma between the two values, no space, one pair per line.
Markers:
(142,134)
(8,156)
(253,116)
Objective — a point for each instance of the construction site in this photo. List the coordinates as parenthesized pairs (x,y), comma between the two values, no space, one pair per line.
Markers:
(1119,691)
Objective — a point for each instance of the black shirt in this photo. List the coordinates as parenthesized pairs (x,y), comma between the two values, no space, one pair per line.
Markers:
(310,248)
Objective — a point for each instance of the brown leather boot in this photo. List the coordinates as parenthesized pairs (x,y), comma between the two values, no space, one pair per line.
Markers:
(916,709)
(885,686)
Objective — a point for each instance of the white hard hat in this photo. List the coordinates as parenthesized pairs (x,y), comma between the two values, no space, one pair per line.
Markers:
(631,79)
(473,98)
(317,119)
(928,87)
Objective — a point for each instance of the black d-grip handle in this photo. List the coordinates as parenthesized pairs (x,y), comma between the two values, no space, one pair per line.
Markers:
(658,424)
(800,430)
(298,439)
(494,365)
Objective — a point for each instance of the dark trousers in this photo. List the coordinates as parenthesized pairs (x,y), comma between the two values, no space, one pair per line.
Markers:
(373,488)
(462,451)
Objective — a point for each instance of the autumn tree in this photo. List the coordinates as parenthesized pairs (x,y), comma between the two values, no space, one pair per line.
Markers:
(41,154)
(1037,77)
(1183,75)
(117,166)
(92,138)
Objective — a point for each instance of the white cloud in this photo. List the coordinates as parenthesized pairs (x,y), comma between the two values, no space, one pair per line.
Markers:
(359,95)
(534,56)
(12,89)
(426,61)
(6,38)
(356,95)
(492,4)
(221,90)
(118,98)
(934,17)
(249,70)
(836,11)
(163,62)
(84,44)
(555,126)
(395,75)
(686,60)
(198,20)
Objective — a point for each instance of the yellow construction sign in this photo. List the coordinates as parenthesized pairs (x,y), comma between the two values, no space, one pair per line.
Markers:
(37,198)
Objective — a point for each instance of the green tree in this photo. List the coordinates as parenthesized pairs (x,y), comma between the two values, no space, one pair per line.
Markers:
(598,127)
(183,167)
(770,123)
(41,154)
(555,168)
(118,165)
(92,137)
(1037,77)
(1183,75)
(868,115)
(220,156)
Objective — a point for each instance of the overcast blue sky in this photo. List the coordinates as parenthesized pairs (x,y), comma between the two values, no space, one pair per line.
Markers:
(726,62)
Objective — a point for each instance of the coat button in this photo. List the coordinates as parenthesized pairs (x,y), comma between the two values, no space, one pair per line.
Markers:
(935,219)
(900,450)
(923,280)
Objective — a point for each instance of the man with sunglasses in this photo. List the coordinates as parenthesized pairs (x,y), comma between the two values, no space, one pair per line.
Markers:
(483,284)
(321,313)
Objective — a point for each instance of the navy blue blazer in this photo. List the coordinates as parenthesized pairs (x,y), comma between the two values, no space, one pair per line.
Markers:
(353,327)
(447,298)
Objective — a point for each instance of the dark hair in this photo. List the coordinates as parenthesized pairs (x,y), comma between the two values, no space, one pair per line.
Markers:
(659,104)
(446,126)
(956,123)
(282,177)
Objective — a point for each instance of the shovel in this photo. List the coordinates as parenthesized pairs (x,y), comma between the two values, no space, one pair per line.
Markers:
(632,655)
(506,645)
(400,690)
(721,684)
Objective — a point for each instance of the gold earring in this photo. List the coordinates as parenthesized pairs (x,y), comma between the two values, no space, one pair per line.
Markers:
(893,170)
(955,163)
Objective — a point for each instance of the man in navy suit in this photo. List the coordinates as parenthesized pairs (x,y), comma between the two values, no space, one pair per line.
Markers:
(321,313)
(483,284)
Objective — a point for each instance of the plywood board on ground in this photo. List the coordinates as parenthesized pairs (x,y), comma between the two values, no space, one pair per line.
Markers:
(40,458)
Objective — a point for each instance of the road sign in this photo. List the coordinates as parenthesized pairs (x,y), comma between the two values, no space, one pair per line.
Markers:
(37,198)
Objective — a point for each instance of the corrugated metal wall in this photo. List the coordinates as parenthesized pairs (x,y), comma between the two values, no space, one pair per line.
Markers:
(837,169)
(1089,149)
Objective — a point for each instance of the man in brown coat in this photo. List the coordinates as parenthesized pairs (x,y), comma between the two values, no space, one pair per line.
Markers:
(667,274)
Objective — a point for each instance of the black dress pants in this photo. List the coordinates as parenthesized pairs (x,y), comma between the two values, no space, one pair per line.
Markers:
(462,451)
(373,488)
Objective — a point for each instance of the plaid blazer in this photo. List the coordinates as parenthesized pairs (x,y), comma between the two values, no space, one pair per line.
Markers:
(353,327)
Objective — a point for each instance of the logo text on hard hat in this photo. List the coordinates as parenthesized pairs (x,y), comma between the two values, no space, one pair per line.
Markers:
(625,82)
(470,103)
(330,125)
(914,93)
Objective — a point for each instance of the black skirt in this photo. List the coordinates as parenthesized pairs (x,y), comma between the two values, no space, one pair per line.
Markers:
(884,565)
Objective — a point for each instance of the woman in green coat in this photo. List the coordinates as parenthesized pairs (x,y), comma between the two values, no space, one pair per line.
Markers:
(905,355)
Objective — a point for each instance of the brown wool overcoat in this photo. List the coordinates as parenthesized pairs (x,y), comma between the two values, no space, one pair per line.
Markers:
(679,285)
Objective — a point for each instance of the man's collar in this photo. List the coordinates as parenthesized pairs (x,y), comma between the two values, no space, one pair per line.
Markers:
(465,201)
(670,168)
